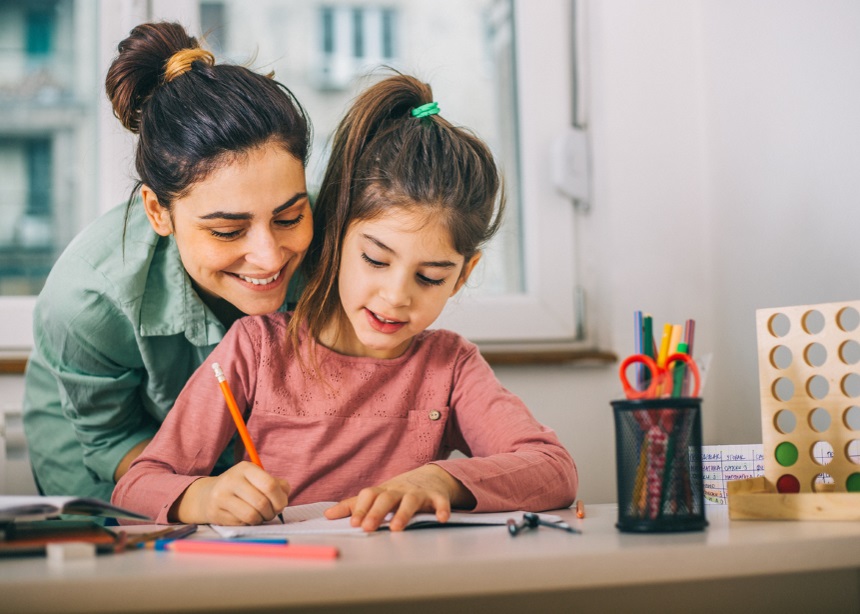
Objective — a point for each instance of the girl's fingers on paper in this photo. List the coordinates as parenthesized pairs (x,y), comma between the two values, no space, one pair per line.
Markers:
(362,504)
(410,504)
(384,502)
(341,509)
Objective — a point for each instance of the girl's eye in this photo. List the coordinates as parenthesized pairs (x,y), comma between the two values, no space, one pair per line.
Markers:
(372,262)
(427,281)
(290,223)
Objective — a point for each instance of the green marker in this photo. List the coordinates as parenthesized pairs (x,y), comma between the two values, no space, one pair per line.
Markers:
(679,372)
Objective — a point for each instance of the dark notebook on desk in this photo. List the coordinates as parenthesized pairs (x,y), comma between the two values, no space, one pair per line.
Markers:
(15,507)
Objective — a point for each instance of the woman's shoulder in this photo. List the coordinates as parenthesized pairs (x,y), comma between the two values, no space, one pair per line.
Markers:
(115,246)
(111,255)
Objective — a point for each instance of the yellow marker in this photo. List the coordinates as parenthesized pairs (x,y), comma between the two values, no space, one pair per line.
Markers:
(665,340)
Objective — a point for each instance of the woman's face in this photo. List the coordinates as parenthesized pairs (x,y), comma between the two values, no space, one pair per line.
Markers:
(242,231)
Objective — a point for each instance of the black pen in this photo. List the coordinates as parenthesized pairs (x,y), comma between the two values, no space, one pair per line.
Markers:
(532,521)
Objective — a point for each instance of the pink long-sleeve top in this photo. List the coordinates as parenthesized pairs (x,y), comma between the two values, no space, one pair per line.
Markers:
(365,421)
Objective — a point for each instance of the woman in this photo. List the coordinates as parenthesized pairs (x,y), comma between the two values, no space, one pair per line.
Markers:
(141,297)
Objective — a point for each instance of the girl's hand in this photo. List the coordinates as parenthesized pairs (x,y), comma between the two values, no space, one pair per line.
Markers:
(244,494)
(426,489)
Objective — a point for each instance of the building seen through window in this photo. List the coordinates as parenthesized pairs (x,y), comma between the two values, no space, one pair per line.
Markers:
(51,87)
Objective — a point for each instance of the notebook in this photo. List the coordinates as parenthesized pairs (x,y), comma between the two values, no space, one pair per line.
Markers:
(309,520)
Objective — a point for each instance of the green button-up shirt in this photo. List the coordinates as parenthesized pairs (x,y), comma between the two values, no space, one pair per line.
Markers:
(118,330)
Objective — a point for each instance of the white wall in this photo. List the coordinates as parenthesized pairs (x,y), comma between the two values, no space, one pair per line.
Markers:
(726,141)
(726,162)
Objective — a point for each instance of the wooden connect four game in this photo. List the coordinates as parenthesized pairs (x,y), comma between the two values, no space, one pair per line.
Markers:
(809,378)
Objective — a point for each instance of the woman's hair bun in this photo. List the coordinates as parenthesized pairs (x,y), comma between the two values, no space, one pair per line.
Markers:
(181,61)
(140,66)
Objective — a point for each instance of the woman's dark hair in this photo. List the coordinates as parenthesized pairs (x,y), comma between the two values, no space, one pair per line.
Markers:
(382,158)
(193,116)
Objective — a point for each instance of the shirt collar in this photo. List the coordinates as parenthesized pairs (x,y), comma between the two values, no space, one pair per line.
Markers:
(170,305)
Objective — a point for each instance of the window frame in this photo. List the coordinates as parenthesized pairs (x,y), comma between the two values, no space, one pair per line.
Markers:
(546,313)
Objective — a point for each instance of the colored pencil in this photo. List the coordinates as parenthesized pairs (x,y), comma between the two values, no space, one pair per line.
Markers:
(288,551)
(240,422)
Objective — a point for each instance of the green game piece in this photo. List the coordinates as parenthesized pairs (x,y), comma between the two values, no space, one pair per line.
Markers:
(786,454)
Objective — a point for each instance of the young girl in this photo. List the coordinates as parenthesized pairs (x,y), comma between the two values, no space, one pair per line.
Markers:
(352,399)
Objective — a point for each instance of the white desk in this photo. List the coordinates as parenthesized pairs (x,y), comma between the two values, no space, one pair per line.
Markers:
(754,565)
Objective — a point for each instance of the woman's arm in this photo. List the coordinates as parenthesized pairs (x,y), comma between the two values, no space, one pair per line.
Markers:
(82,395)
(129,458)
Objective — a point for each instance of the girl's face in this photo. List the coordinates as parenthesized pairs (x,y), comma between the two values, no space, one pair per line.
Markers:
(241,232)
(397,271)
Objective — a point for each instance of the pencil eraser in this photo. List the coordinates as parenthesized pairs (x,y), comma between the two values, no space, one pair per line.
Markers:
(64,552)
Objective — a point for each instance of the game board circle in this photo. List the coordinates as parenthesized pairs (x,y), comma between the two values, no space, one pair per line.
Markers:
(786,454)
(852,451)
(784,421)
(782,389)
(852,484)
(848,319)
(822,452)
(815,355)
(817,387)
(849,352)
(781,357)
(787,484)
(851,385)
(779,325)
(812,322)
(851,418)
(819,419)
(823,482)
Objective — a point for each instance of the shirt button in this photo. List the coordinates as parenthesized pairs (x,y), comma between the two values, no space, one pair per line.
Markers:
(435,415)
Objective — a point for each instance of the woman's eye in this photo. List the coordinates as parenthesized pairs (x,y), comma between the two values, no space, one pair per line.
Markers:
(225,235)
(291,222)
(371,261)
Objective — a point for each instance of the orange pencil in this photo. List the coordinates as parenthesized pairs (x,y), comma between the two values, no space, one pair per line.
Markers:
(237,418)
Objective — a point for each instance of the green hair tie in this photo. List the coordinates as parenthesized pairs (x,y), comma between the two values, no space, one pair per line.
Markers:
(431,108)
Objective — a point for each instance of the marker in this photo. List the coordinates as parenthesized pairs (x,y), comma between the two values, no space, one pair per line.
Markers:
(238,548)
(648,347)
(161,544)
(664,353)
(240,423)
(679,373)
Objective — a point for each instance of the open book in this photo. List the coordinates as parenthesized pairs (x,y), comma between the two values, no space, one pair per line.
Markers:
(35,507)
(308,520)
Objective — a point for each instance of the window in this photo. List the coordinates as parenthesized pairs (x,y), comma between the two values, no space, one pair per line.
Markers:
(500,67)
(353,40)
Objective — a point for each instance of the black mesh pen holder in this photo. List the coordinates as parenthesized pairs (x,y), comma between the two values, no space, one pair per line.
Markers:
(658,456)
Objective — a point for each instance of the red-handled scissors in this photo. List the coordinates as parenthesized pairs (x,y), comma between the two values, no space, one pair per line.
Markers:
(659,375)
